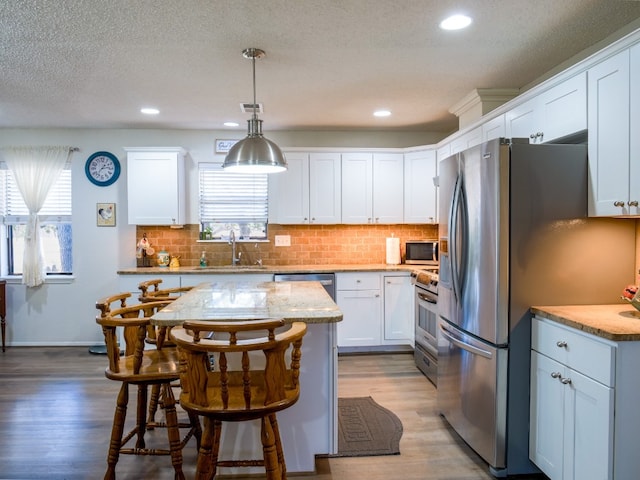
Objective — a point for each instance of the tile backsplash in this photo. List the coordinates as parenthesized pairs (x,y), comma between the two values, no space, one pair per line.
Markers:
(310,244)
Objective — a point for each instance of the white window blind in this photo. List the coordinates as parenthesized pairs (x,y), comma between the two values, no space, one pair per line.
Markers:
(227,197)
(57,207)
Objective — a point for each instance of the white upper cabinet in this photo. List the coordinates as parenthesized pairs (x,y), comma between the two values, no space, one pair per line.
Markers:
(467,140)
(325,196)
(494,128)
(372,188)
(443,152)
(308,192)
(420,191)
(156,186)
(613,190)
(554,113)
(634,126)
(388,187)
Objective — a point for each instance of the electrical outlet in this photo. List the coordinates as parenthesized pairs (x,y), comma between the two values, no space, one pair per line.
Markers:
(283,240)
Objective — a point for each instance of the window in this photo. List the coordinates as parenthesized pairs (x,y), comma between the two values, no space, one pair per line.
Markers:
(55,223)
(232,201)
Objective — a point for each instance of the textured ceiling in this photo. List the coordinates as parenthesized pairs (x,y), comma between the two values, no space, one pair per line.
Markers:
(329,64)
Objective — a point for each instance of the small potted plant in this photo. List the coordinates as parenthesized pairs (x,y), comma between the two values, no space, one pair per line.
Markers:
(206,234)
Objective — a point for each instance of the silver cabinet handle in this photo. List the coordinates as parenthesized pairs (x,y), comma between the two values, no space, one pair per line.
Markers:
(565,381)
(561,344)
(633,203)
(618,204)
(556,375)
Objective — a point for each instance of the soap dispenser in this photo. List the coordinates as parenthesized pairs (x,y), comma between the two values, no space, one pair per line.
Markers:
(203,259)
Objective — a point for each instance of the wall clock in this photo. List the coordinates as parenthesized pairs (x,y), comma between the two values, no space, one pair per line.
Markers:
(102,168)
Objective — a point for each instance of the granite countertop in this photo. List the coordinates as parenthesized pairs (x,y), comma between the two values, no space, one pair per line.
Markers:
(269,269)
(616,322)
(294,301)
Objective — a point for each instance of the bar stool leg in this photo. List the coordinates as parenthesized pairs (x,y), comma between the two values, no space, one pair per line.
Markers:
(116,431)
(269,450)
(173,431)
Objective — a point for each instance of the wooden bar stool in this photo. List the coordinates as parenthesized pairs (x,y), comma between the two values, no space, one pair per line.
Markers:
(142,368)
(231,391)
(150,291)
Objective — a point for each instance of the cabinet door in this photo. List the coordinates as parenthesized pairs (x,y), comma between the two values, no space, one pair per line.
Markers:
(361,325)
(155,187)
(467,140)
(420,192)
(608,120)
(289,191)
(563,108)
(357,184)
(129,283)
(588,432)
(324,188)
(388,188)
(546,429)
(634,126)
(398,310)
(522,122)
(494,128)
(443,152)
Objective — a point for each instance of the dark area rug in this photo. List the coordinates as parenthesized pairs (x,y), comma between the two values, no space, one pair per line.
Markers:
(366,428)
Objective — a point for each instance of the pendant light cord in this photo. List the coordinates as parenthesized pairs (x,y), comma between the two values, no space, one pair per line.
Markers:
(253,59)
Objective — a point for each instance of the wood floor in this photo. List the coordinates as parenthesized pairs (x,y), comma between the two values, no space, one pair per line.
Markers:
(56,410)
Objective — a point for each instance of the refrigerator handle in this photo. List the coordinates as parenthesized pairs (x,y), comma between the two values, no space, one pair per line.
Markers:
(461,344)
(455,238)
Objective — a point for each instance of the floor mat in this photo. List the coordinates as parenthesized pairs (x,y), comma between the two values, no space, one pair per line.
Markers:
(366,428)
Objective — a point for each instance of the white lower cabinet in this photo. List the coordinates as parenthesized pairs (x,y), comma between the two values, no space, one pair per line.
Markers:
(584,394)
(358,296)
(398,310)
(377,310)
(129,283)
(571,438)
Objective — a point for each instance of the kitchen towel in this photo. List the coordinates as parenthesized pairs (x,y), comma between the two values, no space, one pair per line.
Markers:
(393,251)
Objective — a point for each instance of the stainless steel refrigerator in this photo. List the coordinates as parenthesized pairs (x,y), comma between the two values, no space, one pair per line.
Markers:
(513,233)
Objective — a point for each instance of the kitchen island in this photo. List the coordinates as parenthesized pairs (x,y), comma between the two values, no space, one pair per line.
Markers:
(309,428)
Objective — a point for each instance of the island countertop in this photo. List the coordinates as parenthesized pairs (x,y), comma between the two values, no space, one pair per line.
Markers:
(617,322)
(294,301)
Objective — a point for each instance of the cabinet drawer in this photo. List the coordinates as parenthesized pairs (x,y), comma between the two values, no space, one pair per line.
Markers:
(587,354)
(357,281)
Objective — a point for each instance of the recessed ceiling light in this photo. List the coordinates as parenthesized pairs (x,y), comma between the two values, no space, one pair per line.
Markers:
(149,111)
(231,124)
(455,22)
(381,113)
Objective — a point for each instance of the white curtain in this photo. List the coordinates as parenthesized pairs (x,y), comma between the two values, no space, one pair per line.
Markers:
(35,170)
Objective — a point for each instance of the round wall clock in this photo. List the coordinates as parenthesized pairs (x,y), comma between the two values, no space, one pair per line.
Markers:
(102,168)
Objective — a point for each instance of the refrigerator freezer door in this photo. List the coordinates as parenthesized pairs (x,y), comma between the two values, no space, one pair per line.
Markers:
(472,378)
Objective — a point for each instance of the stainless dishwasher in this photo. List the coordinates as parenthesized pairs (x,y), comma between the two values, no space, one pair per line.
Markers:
(328,280)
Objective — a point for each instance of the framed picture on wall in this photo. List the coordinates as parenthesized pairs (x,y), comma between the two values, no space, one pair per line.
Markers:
(223,146)
(106,214)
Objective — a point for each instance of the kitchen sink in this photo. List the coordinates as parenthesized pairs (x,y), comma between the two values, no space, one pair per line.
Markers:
(230,268)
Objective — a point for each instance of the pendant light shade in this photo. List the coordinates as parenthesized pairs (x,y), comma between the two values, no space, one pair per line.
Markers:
(255,153)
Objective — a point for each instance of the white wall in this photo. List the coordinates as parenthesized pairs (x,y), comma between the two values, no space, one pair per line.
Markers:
(64,313)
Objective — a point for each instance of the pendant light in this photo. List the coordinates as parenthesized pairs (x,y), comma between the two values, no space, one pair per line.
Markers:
(255,154)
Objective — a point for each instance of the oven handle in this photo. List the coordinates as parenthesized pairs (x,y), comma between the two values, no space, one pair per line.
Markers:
(465,346)
(427,298)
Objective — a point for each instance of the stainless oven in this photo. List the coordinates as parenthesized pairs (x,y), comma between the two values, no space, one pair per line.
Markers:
(426,324)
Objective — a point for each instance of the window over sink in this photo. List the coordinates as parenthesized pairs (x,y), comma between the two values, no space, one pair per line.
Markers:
(235,202)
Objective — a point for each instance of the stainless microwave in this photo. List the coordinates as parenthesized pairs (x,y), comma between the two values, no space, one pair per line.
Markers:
(421,252)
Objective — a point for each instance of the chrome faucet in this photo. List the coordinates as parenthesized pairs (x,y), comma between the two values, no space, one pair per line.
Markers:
(232,241)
